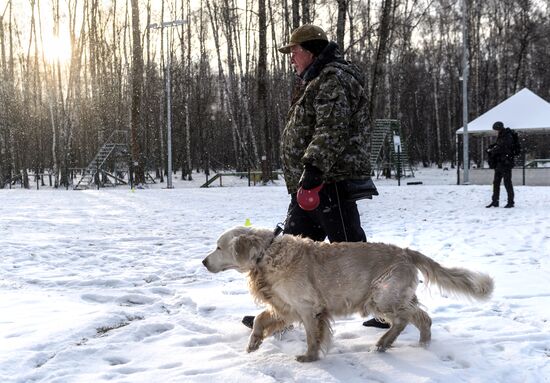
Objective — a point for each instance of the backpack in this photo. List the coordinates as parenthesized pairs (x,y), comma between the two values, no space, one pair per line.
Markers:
(516,145)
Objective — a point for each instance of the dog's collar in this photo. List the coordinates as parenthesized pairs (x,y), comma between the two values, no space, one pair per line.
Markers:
(278,230)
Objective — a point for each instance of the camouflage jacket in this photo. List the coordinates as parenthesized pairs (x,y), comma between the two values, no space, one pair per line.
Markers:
(327,123)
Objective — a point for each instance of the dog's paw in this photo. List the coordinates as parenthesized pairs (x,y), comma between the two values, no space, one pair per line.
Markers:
(254,343)
(424,344)
(380,348)
(307,358)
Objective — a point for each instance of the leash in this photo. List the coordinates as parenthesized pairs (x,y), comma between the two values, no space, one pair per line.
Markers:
(278,230)
(280,227)
(341,215)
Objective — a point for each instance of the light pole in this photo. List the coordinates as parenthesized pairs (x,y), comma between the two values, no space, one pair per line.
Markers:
(465,92)
(161,26)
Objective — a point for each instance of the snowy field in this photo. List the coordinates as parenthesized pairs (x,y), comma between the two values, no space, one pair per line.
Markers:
(108,286)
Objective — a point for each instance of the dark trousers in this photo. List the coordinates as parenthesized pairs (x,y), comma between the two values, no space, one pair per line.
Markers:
(335,218)
(500,173)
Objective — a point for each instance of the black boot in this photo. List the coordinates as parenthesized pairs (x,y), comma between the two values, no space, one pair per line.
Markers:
(376,323)
(509,205)
(248,321)
(492,204)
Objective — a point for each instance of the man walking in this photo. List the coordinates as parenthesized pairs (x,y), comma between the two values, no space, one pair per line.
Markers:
(325,145)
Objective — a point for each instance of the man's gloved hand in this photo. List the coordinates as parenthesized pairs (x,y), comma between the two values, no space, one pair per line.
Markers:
(311,183)
(311,178)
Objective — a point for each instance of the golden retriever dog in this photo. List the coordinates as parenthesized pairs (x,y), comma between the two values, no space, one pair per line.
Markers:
(310,282)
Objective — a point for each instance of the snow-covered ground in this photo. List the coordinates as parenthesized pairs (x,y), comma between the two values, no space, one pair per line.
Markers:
(108,286)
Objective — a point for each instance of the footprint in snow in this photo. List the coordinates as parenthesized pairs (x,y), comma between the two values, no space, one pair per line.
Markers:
(206,309)
(130,370)
(134,299)
(348,335)
(116,360)
(456,364)
(162,291)
(200,341)
(149,330)
(169,366)
(96,298)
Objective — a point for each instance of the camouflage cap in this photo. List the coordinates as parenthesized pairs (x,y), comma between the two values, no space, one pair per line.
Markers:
(306,32)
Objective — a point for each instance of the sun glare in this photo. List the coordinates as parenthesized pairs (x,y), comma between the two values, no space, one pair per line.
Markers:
(57,48)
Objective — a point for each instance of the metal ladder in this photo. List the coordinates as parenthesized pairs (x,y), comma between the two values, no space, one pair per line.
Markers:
(383,154)
(112,146)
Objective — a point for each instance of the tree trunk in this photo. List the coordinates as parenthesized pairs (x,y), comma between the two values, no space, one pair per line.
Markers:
(187,169)
(137,83)
(262,91)
(380,59)
(341,23)
(436,112)
(306,12)
(164,49)
(295,14)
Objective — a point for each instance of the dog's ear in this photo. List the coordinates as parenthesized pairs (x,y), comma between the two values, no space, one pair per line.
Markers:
(247,248)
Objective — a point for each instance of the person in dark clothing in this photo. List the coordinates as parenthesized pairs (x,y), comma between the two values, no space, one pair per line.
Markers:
(325,143)
(501,158)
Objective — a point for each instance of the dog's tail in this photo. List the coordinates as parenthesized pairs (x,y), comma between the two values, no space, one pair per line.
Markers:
(454,280)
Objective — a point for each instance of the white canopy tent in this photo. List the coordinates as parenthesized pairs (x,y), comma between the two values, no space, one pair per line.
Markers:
(524,111)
